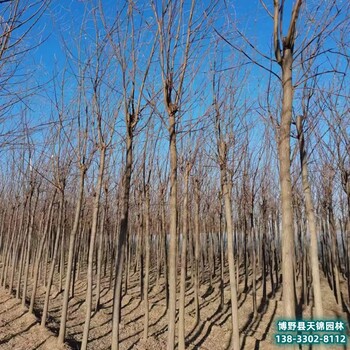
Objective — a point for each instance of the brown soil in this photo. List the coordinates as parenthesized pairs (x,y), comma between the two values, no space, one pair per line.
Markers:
(20,330)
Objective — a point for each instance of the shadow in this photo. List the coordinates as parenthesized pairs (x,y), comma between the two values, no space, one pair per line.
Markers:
(299,309)
(255,322)
(132,310)
(161,331)
(208,302)
(246,329)
(57,294)
(53,327)
(133,344)
(157,321)
(345,307)
(13,319)
(131,336)
(11,336)
(104,292)
(268,327)
(196,333)
(37,346)
(73,343)
(189,303)
(134,319)
(128,303)
(214,318)
(224,320)
(7,310)
(241,302)
(75,307)
(102,335)
(4,301)
(218,311)
(208,292)
(104,304)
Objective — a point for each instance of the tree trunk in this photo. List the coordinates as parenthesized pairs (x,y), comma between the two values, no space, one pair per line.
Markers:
(196,250)
(288,262)
(96,207)
(311,220)
(28,250)
(121,241)
(183,261)
(226,186)
(147,263)
(62,332)
(172,233)
(46,230)
(99,259)
(53,262)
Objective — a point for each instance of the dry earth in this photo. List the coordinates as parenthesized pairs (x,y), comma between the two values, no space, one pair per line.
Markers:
(20,330)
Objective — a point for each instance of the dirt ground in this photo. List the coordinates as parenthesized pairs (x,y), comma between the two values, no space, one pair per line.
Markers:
(20,330)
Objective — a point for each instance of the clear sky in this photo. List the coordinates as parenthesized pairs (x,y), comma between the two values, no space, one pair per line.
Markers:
(59,29)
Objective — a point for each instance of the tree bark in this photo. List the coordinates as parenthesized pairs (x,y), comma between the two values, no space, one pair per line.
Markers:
(183,261)
(63,324)
(288,260)
(172,233)
(311,220)
(96,207)
(226,187)
(53,262)
(121,241)
(40,252)
(196,250)
(147,263)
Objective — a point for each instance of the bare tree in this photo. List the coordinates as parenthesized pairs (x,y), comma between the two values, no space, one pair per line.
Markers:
(311,222)
(284,47)
(225,142)
(169,20)
(83,163)
(133,86)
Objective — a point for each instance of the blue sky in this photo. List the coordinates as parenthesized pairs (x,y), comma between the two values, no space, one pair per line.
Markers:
(65,17)
(60,26)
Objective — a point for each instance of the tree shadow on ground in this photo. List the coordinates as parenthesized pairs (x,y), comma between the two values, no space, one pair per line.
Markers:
(10,308)
(53,326)
(253,322)
(8,337)
(13,319)
(221,314)
(345,308)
